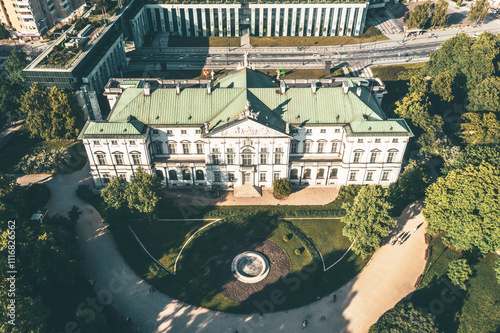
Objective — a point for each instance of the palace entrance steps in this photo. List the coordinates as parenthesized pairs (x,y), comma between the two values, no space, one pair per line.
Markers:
(247,191)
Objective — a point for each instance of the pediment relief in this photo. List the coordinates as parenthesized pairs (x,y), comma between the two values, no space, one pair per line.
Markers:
(246,129)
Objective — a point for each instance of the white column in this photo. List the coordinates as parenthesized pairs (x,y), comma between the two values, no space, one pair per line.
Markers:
(153,18)
(204,27)
(221,26)
(342,22)
(317,29)
(285,22)
(170,20)
(327,21)
(252,21)
(261,21)
(187,23)
(228,21)
(333,29)
(195,22)
(350,24)
(294,21)
(277,24)
(179,23)
(302,19)
(361,20)
(269,20)
(310,21)
(212,23)
(236,22)
(162,20)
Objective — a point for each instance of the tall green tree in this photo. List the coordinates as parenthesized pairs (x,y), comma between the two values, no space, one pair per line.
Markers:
(475,155)
(367,220)
(4,33)
(442,86)
(465,206)
(480,128)
(478,11)
(52,114)
(404,318)
(15,64)
(459,272)
(439,16)
(419,16)
(411,184)
(144,193)
(10,94)
(485,96)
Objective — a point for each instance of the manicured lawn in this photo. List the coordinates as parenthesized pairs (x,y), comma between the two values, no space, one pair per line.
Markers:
(20,145)
(327,235)
(175,41)
(371,35)
(473,310)
(193,283)
(165,239)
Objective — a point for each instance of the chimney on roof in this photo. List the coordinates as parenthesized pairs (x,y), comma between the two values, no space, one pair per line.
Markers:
(209,87)
(358,91)
(345,86)
(147,89)
(313,87)
(178,88)
(282,87)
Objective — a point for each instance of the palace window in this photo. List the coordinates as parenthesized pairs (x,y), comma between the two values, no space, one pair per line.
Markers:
(159,174)
(199,148)
(114,143)
(277,155)
(321,147)
(215,156)
(185,148)
(216,176)
(263,155)
(333,173)
(335,147)
(200,175)
(373,157)
(96,143)
(186,174)
(391,156)
(157,148)
(307,174)
(309,131)
(352,176)
(183,132)
(323,130)
(293,147)
(369,176)
(118,159)
(230,177)
(377,140)
(172,174)
(307,147)
(357,157)
(262,177)
(171,148)
(101,159)
(155,132)
(247,157)
(395,140)
(136,159)
(131,142)
(337,130)
(276,175)
(320,174)
(385,175)
(230,156)
(294,174)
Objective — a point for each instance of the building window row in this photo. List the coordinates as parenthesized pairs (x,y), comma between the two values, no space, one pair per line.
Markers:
(185,174)
(118,158)
(307,147)
(374,156)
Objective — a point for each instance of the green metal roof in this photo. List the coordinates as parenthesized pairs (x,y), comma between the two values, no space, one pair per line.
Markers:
(132,129)
(298,106)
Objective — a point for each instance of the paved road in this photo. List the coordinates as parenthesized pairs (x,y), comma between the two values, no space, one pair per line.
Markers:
(389,277)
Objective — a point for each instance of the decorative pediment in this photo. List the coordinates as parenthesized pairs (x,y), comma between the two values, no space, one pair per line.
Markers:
(246,128)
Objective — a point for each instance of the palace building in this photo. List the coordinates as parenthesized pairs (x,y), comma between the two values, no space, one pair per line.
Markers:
(247,128)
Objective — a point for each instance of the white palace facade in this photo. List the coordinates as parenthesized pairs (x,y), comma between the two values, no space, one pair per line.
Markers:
(246,128)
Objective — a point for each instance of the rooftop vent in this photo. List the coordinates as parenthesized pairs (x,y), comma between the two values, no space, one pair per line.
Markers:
(282,87)
(178,88)
(209,87)
(358,91)
(314,87)
(147,89)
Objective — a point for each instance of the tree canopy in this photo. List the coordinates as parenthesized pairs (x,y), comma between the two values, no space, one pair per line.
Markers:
(442,86)
(478,11)
(485,96)
(10,93)
(439,16)
(52,114)
(475,155)
(419,16)
(480,128)
(459,272)
(282,187)
(404,318)
(4,33)
(15,64)
(367,220)
(465,205)
(144,193)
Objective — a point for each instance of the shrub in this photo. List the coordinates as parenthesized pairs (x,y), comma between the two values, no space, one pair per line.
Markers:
(349,192)
(282,188)
(42,160)
(298,252)
(459,273)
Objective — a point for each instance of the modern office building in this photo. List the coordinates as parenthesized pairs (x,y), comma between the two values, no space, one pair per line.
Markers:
(263,19)
(33,18)
(247,129)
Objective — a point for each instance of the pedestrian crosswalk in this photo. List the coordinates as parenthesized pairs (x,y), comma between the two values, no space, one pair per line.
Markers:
(360,70)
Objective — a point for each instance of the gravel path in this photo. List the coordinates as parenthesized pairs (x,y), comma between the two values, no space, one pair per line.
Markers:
(389,277)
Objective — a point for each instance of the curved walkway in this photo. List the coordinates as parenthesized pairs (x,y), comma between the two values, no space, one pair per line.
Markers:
(389,277)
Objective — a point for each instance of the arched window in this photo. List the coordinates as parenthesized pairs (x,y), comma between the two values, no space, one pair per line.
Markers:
(320,174)
(200,175)
(172,174)
(307,174)
(333,173)
(157,148)
(186,174)
(246,156)
(159,174)
(294,174)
